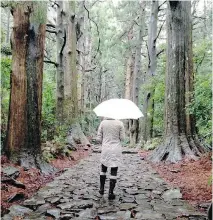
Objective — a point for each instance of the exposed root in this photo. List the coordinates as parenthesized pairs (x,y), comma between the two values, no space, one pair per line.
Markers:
(175,148)
(35,161)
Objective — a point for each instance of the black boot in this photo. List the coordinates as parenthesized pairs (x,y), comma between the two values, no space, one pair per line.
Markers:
(111,188)
(102,183)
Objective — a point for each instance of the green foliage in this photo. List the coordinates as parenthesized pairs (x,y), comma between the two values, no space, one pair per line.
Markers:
(159,97)
(60,136)
(5,93)
(157,84)
(202,106)
(48,108)
(5,72)
(6,49)
(89,123)
(202,102)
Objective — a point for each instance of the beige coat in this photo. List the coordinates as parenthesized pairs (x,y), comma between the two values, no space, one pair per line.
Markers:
(110,134)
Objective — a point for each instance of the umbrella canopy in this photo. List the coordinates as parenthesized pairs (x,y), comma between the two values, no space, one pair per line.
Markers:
(118,109)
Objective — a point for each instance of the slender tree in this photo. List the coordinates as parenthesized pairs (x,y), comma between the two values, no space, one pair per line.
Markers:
(148,104)
(134,124)
(129,76)
(80,35)
(61,41)
(70,74)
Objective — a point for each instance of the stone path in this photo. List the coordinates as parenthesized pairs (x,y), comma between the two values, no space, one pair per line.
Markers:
(74,195)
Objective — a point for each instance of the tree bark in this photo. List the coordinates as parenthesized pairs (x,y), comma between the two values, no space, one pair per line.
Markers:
(148,104)
(80,29)
(70,74)
(24,124)
(134,124)
(17,124)
(179,140)
(61,41)
(8,27)
(34,69)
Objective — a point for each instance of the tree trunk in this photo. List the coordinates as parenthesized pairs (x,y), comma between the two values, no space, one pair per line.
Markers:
(80,29)
(61,41)
(129,76)
(148,104)
(204,21)
(70,75)
(8,27)
(17,123)
(134,124)
(24,125)
(179,140)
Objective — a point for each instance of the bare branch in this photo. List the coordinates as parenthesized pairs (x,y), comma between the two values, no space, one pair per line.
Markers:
(99,41)
(144,55)
(51,62)
(62,48)
(161,51)
(148,55)
(50,25)
(51,31)
(159,7)
(89,70)
(54,3)
(197,22)
(126,31)
(199,17)
(159,31)
(136,22)
(94,3)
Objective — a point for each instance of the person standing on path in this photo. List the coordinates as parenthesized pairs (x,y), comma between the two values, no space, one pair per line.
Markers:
(110,134)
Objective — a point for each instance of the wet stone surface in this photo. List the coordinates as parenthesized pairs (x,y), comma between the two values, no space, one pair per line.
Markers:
(74,195)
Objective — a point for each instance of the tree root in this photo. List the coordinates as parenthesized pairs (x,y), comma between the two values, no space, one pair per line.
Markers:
(175,148)
(35,161)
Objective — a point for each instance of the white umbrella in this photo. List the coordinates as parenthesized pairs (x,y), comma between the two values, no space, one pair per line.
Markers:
(118,109)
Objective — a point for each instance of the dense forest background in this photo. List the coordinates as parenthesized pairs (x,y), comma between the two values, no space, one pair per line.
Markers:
(97,50)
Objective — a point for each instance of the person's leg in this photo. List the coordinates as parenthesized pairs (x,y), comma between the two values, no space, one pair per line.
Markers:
(113,179)
(102,178)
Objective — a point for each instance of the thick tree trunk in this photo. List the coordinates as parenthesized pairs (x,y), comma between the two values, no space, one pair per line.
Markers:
(146,131)
(24,124)
(179,127)
(34,69)
(17,123)
(61,41)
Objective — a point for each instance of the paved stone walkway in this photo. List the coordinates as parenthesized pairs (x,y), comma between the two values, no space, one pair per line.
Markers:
(74,195)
